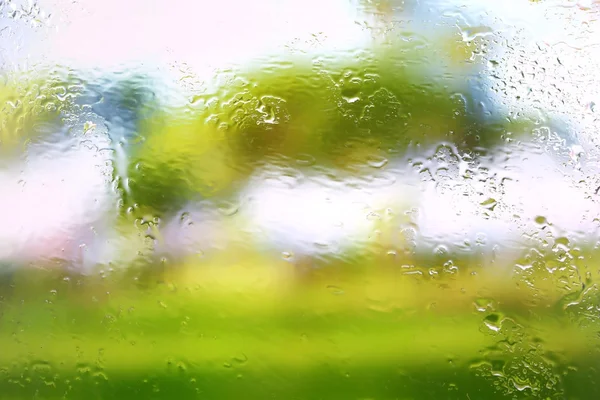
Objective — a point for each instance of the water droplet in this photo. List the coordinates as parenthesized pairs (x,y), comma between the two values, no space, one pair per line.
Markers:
(88,127)
(228,209)
(484,304)
(335,290)
(489,203)
(471,33)
(305,159)
(377,162)
(493,322)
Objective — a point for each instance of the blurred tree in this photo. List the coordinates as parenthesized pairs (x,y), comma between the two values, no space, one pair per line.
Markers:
(413,86)
(178,160)
(350,107)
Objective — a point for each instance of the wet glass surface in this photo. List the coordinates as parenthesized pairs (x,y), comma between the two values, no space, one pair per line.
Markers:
(339,199)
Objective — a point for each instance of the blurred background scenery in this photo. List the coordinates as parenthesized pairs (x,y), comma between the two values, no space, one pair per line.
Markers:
(285,199)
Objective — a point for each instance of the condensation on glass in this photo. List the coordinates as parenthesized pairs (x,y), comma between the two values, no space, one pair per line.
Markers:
(367,199)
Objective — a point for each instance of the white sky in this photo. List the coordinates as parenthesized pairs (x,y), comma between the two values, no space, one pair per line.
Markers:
(204,33)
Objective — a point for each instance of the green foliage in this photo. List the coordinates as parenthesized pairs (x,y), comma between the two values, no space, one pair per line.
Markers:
(178,161)
(297,106)
(27,102)
(335,109)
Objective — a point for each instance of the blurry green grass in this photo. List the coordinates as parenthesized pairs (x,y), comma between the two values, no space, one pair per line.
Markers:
(253,329)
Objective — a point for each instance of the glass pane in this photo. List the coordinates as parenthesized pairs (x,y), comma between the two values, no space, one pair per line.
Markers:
(341,199)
